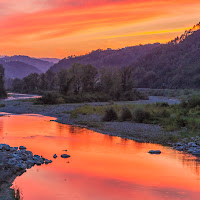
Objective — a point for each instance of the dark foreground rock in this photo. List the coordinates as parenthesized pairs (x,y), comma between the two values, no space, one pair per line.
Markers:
(191,146)
(65,156)
(155,152)
(14,162)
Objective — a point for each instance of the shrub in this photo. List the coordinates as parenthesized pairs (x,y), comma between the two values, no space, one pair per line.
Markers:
(110,115)
(162,104)
(60,100)
(193,102)
(140,115)
(126,114)
(49,98)
(183,104)
(180,121)
(165,114)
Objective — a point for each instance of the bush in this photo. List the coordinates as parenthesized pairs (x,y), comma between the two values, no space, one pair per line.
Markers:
(162,104)
(49,98)
(140,115)
(180,121)
(165,114)
(126,114)
(60,100)
(193,102)
(110,115)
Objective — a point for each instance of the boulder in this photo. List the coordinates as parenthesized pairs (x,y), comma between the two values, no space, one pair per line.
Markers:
(22,148)
(55,156)
(6,147)
(155,152)
(65,156)
(48,161)
(196,153)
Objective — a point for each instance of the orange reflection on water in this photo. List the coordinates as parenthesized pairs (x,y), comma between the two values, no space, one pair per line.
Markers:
(100,167)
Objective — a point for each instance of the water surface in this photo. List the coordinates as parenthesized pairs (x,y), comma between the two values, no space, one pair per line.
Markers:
(101,167)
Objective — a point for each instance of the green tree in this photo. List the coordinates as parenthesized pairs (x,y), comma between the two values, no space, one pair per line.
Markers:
(31,83)
(3,93)
(89,74)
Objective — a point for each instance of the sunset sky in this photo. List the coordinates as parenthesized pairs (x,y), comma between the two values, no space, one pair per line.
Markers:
(59,28)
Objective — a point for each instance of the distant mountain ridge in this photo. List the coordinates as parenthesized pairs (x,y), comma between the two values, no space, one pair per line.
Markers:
(16,69)
(41,65)
(107,58)
(52,60)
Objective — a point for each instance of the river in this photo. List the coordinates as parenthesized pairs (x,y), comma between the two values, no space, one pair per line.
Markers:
(101,167)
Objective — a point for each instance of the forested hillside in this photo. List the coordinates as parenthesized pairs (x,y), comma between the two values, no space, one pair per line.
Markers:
(107,58)
(172,65)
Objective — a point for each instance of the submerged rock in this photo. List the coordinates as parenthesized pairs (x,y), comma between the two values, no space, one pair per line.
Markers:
(155,152)
(55,156)
(48,161)
(65,156)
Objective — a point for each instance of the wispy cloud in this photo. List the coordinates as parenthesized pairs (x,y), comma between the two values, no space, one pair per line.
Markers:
(49,22)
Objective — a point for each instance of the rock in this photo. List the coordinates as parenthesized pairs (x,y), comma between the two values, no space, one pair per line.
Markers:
(65,156)
(55,156)
(6,147)
(48,161)
(155,152)
(180,148)
(192,144)
(36,157)
(24,157)
(191,150)
(22,147)
(12,162)
(179,144)
(20,166)
(196,153)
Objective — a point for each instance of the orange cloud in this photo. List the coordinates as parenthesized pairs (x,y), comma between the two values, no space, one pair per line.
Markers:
(32,28)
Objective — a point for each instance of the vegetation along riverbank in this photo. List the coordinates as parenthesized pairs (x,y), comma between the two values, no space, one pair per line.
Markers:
(158,120)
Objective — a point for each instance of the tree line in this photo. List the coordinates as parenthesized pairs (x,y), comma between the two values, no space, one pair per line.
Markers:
(3,93)
(81,80)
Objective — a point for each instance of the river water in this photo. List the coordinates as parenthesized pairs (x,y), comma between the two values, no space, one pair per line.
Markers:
(101,167)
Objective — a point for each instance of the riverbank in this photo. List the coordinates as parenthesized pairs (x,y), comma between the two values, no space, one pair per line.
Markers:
(14,162)
(147,133)
(130,130)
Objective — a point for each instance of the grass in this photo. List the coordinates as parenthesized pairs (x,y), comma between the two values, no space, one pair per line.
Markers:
(175,93)
(183,118)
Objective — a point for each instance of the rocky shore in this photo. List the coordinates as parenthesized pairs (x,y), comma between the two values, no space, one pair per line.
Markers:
(14,162)
(191,146)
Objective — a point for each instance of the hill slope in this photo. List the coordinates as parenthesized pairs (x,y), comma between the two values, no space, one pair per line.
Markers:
(175,64)
(16,69)
(40,64)
(107,58)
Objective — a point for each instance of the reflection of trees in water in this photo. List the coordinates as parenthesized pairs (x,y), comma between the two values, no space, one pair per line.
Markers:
(189,161)
(1,128)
